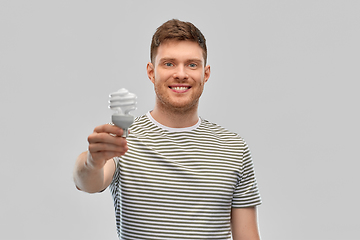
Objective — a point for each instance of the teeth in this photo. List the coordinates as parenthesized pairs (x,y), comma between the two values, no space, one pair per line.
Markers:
(179,88)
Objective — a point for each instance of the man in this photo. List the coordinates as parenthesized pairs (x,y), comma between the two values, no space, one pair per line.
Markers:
(176,176)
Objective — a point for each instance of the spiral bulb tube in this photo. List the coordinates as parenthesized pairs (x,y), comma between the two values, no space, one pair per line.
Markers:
(122,102)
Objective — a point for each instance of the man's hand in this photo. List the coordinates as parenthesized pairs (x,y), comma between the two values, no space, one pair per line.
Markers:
(105,143)
(93,171)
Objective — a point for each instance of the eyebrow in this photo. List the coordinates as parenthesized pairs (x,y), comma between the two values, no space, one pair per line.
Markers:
(166,59)
(197,60)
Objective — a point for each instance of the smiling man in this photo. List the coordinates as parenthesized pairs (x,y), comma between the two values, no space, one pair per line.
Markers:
(176,176)
(178,73)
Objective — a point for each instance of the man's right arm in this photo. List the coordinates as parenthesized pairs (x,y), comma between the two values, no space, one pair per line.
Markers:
(94,169)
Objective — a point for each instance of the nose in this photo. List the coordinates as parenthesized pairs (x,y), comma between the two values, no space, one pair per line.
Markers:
(180,73)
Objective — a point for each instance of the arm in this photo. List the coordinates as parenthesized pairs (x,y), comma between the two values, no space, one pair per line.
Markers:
(94,169)
(244,224)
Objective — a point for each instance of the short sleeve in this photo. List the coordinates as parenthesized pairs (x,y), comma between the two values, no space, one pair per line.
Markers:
(246,193)
(116,161)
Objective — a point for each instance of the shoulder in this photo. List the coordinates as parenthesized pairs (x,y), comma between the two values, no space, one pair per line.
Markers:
(141,123)
(143,119)
(220,131)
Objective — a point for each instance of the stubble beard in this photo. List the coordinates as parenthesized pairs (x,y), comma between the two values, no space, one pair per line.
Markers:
(173,107)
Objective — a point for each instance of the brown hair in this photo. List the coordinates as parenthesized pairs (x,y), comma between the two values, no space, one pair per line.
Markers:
(175,29)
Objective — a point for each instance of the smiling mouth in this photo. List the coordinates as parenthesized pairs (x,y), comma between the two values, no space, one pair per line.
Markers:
(180,88)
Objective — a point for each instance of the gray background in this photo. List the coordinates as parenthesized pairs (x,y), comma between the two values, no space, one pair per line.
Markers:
(285,76)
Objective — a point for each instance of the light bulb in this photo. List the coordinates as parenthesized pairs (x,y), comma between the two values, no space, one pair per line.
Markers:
(122,102)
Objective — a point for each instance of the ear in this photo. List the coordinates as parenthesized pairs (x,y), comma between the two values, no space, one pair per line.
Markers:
(150,72)
(207,73)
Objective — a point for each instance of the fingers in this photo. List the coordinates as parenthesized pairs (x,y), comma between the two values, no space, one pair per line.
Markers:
(108,128)
(120,146)
(106,138)
(106,142)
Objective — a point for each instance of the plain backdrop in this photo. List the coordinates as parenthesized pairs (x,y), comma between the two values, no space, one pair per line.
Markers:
(285,76)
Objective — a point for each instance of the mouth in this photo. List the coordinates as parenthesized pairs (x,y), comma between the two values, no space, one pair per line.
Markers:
(179,88)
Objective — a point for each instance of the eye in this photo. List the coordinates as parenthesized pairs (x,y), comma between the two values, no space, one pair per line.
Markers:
(193,65)
(168,64)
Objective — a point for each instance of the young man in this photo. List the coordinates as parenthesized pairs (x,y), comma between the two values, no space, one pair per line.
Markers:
(176,176)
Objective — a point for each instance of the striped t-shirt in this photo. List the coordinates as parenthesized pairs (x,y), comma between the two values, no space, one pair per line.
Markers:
(181,183)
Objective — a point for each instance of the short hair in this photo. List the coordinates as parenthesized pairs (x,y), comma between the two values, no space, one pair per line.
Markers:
(175,29)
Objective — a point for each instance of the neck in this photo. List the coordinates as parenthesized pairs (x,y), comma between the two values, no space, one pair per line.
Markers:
(175,118)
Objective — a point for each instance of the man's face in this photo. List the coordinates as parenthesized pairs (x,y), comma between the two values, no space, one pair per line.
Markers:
(179,75)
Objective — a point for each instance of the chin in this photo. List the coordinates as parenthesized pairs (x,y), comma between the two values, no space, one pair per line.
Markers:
(184,107)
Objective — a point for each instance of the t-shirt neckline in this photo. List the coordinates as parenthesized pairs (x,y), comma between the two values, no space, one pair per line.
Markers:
(170,129)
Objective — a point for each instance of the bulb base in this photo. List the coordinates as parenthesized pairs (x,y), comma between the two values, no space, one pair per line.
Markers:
(123,121)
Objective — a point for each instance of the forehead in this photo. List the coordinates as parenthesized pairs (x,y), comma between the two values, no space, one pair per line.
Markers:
(180,50)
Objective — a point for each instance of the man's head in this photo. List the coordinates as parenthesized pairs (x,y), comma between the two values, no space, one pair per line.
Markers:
(178,69)
(177,30)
